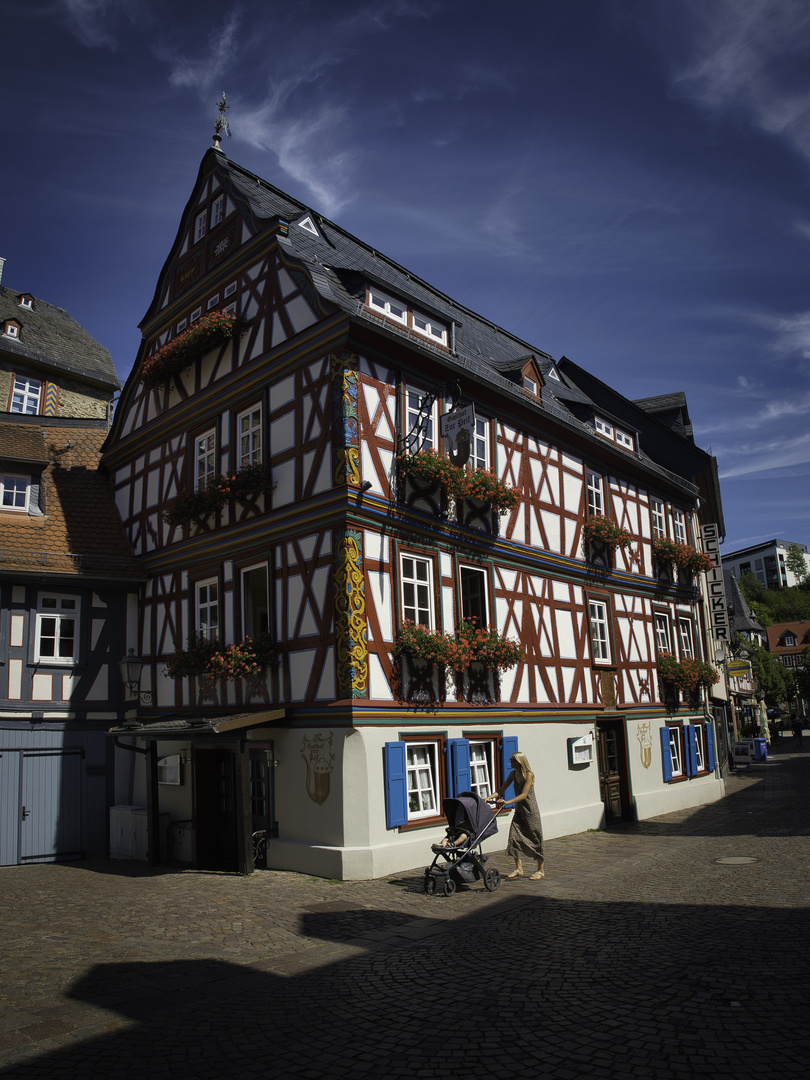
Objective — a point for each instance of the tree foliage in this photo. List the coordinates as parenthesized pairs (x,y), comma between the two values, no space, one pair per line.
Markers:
(771,676)
(795,562)
(775,605)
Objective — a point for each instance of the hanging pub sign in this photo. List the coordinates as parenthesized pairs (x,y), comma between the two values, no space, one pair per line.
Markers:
(715,584)
(457,428)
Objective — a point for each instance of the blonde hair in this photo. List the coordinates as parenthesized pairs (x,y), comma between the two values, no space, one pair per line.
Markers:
(522,763)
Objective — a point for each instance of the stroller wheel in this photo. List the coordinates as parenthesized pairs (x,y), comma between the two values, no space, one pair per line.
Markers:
(449,887)
(430,883)
(492,880)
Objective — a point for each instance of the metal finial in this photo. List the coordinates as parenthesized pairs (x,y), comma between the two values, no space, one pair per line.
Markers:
(221,123)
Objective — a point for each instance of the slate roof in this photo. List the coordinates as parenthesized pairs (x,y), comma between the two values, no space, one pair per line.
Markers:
(52,339)
(80,531)
(741,618)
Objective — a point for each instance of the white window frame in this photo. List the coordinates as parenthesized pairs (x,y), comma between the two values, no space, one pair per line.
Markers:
(625,440)
(205,458)
(206,608)
(479,451)
(467,598)
(599,623)
(199,227)
(26,392)
(12,485)
(196,313)
(685,639)
(603,427)
(596,494)
(700,748)
(181,326)
(482,767)
(530,384)
(217,210)
(249,431)
(212,303)
(422,766)
(229,290)
(676,751)
(658,518)
(663,640)
(249,609)
(679,526)
(387,305)
(413,404)
(63,610)
(27,302)
(11,330)
(417,589)
(429,328)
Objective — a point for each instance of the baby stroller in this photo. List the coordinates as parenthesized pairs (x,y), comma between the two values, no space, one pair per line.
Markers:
(464,863)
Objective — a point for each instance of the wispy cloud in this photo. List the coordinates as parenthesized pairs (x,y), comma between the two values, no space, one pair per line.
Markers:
(89,20)
(751,55)
(779,455)
(202,73)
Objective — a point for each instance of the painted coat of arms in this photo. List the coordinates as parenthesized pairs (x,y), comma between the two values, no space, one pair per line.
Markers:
(319,759)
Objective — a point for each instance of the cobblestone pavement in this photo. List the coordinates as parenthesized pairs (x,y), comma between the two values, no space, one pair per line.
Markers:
(641,955)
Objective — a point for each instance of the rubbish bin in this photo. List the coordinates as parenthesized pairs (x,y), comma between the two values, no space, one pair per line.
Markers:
(760,749)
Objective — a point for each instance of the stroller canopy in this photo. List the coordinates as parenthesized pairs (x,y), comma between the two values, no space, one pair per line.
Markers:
(470,806)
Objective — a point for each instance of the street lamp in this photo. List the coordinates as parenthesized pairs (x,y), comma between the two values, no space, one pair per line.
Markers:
(131,668)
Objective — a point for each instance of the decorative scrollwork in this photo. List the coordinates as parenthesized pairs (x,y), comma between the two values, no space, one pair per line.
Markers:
(351,639)
(344,397)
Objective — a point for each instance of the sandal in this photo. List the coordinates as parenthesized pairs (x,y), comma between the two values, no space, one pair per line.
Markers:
(538,875)
(514,874)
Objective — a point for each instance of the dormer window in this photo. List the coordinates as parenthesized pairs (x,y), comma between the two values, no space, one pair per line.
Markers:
(27,301)
(788,641)
(531,378)
(604,428)
(399,312)
(615,434)
(11,328)
(530,384)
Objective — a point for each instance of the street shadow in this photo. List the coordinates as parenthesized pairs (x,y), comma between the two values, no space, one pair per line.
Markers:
(562,988)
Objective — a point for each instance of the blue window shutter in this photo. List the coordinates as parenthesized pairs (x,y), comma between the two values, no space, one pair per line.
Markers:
(458,766)
(707,727)
(396,785)
(666,755)
(690,750)
(509,746)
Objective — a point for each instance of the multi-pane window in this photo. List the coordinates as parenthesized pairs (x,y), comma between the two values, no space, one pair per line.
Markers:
(625,440)
(57,629)
(481,770)
(400,312)
(600,637)
(26,395)
(204,459)
(676,750)
(604,428)
(249,425)
(199,227)
(479,451)
(679,523)
(662,642)
(596,500)
(700,748)
(530,384)
(430,328)
(217,210)
(658,518)
(423,788)
(414,416)
(417,590)
(14,492)
(208,608)
(685,636)
(473,582)
(388,306)
(255,601)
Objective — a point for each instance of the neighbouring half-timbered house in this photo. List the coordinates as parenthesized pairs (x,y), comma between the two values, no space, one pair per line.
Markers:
(334,476)
(66,574)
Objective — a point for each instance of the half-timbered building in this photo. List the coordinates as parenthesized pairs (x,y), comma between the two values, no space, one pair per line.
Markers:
(66,574)
(264,456)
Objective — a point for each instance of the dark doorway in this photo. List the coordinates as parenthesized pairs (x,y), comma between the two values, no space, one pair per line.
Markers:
(215,809)
(614,771)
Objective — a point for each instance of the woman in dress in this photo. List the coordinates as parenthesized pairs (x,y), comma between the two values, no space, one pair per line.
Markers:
(526,830)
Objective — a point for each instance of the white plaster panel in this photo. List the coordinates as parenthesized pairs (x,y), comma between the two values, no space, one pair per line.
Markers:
(551,523)
(282,433)
(99,691)
(571,545)
(300,313)
(42,687)
(326,687)
(15,669)
(277,333)
(307,546)
(285,283)
(561,591)
(447,608)
(300,662)
(375,546)
(69,683)
(284,478)
(96,629)
(574,464)
(323,481)
(445,564)
(380,588)
(566,641)
(16,630)
(378,684)
(572,493)
(153,487)
(568,675)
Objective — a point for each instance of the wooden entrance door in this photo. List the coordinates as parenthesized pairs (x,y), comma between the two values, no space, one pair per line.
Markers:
(614,784)
(215,809)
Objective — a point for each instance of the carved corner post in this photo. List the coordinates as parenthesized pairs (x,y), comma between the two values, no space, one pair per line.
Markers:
(351,637)
(344,397)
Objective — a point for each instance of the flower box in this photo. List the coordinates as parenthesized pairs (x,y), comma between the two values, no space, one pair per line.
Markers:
(468,645)
(481,485)
(237,487)
(601,530)
(686,675)
(684,556)
(204,334)
(208,659)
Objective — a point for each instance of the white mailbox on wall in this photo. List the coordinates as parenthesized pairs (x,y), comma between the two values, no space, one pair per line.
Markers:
(581,751)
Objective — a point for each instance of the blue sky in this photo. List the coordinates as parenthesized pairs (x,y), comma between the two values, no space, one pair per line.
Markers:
(624,182)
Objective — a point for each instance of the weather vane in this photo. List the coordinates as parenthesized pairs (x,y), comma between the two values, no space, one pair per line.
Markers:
(221,123)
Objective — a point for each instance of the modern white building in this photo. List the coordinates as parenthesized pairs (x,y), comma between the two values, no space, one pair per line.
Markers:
(767,561)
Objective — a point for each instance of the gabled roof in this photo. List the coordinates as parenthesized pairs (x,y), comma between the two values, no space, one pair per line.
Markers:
(52,340)
(741,618)
(799,629)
